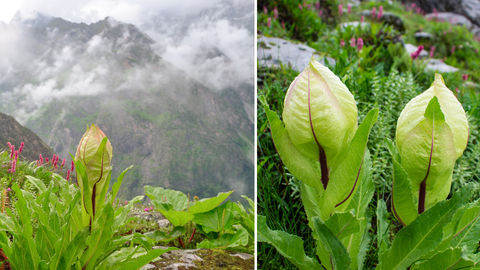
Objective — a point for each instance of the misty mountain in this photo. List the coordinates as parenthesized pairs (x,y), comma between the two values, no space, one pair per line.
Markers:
(177,130)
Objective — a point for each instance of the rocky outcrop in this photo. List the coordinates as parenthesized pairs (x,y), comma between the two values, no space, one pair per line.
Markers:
(15,133)
(272,52)
(468,8)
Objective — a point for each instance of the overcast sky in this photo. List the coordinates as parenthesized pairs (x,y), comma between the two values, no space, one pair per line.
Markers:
(94,10)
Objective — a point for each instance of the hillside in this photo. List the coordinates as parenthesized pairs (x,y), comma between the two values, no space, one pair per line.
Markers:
(177,132)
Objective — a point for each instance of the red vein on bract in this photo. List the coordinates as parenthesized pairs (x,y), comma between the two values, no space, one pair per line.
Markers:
(354,185)
(423,185)
(322,158)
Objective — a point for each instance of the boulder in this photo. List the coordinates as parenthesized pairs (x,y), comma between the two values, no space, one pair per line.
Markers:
(439,66)
(422,36)
(453,18)
(274,51)
(388,18)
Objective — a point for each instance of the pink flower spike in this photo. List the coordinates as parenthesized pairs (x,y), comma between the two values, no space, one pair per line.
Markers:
(342,43)
(317,5)
(16,155)
(68,174)
(320,13)
(359,44)
(63,162)
(380,12)
(265,10)
(9,145)
(9,189)
(452,50)
(275,13)
(269,22)
(464,77)
(300,6)
(126,202)
(362,19)
(374,12)
(352,42)
(46,160)
(283,25)
(435,11)
(21,148)
(146,209)
(340,9)
(432,51)
(349,8)
(73,166)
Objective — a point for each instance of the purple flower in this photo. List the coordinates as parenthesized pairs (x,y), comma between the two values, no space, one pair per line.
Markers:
(317,5)
(464,77)
(359,44)
(352,42)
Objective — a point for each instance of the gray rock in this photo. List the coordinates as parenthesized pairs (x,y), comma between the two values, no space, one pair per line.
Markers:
(471,9)
(439,66)
(453,18)
(275,51)
(243,256)
(423,36)
(354,25)
(178,266)
(148,267)
(183,255)
(389,18)
(410,48)
(162,223)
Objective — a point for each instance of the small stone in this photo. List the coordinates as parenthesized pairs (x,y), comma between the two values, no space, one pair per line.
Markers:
(148,267)
(162,223)
(439,66)
(243,256)
(354,25)
(423,36)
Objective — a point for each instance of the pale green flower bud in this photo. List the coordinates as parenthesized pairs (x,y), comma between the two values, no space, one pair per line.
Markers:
(320,115)
(97,162)
(432,133)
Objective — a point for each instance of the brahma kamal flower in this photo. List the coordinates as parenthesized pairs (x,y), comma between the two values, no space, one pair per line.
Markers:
(432,133)
(320,115)
(97,163)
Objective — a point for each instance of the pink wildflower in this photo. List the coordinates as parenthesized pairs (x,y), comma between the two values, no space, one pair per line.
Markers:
(63,162)
(416,53)
(21,148)
(374,12)
(73,166)
(283,25)
(68,174)
(265,10)
(275,13)
(317,5)
(269,22)
(362,19)
(9,189)
(126,202)
(300,6)
(340,9)
(352,42)
(320,13)
(349,8)
(359,44)
(452,50)
(464,77)
(146,209)
(16,155)
(342,43)
(432,51)
(435,11)
(380,12)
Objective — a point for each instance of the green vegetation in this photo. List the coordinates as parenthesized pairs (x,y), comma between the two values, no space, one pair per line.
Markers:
(381,75)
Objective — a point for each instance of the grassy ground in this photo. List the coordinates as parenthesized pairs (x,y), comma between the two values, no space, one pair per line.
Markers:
(381,75)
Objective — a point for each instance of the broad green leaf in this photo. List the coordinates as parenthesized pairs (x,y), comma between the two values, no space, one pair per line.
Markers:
(118,183)
(37,183)
(364,193)
(177,218)
(448,259)
(217,219)
(310,202)
(304,168)
(167,198)
(382,227)
(344,177)
(339,257)
(288,245)
(138,262)
(227,240)
(343,225)
(468,237)
(403,200)
(422,235)
(205,205)
(358,252)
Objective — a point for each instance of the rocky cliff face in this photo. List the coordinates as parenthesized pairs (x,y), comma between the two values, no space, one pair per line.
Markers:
(15,133)
(176,131)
